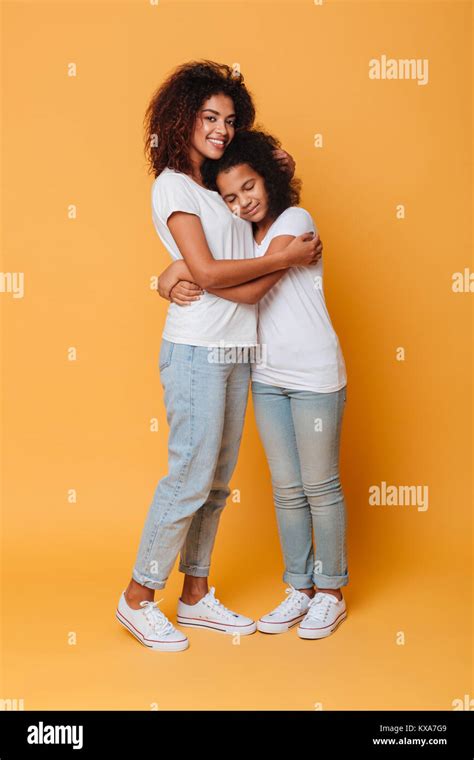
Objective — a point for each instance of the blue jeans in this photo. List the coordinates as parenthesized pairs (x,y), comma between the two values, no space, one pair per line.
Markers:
(205,408)
(300,431)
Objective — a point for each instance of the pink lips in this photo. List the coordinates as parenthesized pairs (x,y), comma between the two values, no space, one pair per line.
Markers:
(249,213)
(221,145)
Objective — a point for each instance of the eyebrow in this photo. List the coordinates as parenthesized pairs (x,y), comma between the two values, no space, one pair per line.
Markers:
(217,112)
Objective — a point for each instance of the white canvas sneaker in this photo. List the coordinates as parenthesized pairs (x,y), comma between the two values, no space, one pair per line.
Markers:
(288,613)
(325,613)
(150,626)
(209,612)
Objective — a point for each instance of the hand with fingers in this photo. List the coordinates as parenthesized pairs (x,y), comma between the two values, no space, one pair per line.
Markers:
(305,250)
(287,162)
(184,293)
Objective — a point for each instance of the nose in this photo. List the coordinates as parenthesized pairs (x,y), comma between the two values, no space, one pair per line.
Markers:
(221,127)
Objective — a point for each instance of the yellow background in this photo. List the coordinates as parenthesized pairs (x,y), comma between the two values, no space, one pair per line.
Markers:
(85,424)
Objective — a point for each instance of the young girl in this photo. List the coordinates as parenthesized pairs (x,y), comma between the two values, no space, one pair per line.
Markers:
(299,390)
(194,116)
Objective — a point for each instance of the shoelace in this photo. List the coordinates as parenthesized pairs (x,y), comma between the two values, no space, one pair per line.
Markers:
(217,606)
(291,601)
(156,618)
(319,605)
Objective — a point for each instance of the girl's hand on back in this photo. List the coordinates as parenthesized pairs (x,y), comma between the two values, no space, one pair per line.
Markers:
(185,292)
(305,250)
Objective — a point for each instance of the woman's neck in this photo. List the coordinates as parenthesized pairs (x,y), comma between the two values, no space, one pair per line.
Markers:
(196,176)
(196,160)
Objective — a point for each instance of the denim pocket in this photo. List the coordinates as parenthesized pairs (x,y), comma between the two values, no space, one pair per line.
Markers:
(166,352)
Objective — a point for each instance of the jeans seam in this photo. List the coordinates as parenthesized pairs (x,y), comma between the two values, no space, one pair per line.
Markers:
(167,362)
(184,467)
(217,487)
(342,507)
(337,419)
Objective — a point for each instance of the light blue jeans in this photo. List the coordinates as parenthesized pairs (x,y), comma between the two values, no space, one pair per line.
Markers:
(205,408)
(300,431)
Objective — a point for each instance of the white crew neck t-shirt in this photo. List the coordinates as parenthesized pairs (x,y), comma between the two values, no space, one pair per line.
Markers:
(294,327)
(209,321)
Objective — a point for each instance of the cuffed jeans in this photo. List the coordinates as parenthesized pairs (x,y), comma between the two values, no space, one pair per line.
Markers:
(300,431)
(205,408)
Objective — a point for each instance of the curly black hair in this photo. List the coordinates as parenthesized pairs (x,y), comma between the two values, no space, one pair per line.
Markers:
(171,113)
(255,148)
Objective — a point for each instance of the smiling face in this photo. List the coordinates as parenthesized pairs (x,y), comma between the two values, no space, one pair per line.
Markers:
(243,189)
(214,128)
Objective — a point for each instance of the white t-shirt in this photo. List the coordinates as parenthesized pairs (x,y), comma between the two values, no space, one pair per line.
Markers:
(294,327)
(209,321)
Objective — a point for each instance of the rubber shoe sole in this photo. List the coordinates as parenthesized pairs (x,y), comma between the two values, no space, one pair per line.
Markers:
(162,646)
(213,625)
(320,633)
(266,627)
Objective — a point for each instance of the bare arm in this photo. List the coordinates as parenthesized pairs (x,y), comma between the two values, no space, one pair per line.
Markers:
(253,291)
(209,272)
(176,284)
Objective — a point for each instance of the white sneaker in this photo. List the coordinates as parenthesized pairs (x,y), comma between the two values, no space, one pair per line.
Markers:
(209,612)
(325,613)
(150,626)
(289,612)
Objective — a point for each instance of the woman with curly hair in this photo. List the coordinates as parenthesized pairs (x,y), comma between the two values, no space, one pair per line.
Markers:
(194,116)
(299,391)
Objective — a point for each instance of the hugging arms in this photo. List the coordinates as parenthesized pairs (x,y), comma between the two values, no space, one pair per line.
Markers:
(183,281)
